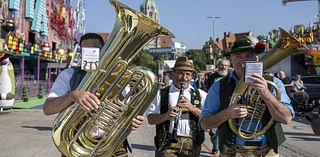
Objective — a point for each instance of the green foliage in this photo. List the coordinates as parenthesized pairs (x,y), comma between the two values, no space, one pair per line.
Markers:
(164,57)
(145,59)
(25,93)
(199,58)
(40,94)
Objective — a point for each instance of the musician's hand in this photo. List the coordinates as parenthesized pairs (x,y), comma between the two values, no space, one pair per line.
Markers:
(259,84)
(184,103)
(85,99)
(237,110)
(136,122)
(171,113)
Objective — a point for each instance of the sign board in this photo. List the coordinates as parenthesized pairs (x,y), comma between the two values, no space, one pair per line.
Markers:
(90,58)
(316,59)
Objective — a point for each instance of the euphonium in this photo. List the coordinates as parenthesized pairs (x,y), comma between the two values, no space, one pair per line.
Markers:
(77,132)
(286,46)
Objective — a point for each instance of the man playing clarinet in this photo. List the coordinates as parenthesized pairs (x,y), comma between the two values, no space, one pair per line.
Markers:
(175,112)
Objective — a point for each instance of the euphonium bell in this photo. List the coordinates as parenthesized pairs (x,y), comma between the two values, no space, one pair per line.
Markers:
(77,132)
(286,46)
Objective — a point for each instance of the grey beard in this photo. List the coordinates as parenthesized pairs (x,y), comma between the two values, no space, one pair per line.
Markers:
(223,73)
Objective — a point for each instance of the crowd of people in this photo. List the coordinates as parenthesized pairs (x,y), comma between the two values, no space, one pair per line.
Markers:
(186,106)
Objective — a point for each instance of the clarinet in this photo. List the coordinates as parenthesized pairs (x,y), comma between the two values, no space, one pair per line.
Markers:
(173,137)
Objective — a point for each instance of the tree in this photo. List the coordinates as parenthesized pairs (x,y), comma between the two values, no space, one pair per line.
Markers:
(25,93)
(198,57)
(40,94)
(145,59)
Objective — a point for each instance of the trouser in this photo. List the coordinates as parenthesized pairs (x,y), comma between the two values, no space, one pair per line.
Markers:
(250,151)
(184,147)
(214,139)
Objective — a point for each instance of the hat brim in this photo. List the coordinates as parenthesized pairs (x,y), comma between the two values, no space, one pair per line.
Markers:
(186,68)
(243,49)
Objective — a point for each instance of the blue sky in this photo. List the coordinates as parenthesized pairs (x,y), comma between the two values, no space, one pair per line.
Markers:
(187,19)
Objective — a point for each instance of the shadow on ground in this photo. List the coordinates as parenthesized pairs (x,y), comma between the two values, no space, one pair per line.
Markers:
(143,147)
(40,128)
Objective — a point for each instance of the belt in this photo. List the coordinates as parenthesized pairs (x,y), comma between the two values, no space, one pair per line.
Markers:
(253,150)
(253,143)
(184,143)
(251,147)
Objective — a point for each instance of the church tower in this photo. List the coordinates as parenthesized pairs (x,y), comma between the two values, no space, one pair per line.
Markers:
(150,9)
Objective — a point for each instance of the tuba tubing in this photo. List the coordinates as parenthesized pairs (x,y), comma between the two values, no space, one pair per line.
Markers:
(287,45)
(77,132)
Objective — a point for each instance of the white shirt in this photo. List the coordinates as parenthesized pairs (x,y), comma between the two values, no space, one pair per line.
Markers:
(183,127)
(61,85)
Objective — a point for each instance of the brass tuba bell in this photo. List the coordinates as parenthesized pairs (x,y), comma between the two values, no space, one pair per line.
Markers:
(77,132)
(286,46)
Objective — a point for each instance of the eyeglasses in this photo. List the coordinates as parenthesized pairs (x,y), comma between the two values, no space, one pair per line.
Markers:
(223,65)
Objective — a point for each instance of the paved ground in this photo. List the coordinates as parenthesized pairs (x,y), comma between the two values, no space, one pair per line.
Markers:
(28,134)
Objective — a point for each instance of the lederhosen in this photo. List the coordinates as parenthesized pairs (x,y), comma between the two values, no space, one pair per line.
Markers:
(78,75)
(227,139)
(162,130)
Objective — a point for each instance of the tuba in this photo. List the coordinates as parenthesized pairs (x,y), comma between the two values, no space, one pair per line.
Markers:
(286,46)
(77,132)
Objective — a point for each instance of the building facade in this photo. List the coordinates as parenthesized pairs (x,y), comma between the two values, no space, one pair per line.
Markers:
(150,9)
(38,33)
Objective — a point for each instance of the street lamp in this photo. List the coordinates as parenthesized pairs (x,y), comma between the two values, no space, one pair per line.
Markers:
(212,18)
(213,39)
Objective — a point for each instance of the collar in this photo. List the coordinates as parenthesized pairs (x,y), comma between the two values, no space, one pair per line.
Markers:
(232,76)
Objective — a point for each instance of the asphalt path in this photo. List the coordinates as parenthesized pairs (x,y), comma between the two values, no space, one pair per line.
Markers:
(28,134)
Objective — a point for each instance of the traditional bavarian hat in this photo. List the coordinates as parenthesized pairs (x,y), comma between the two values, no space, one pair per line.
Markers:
(247,44)
(182,63)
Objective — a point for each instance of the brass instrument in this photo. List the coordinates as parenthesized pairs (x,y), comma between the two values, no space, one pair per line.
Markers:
(77,132)
(286,46)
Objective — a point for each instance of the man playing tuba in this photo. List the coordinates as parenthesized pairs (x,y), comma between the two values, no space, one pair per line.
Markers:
(217,110)
(63,92)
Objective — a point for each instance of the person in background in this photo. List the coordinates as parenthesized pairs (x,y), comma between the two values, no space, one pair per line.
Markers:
(167,78)
(217,110)
(223,70)
(286,81)
(297,84)
(63,92)
(298,95)
(201,84)
(182,102)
